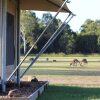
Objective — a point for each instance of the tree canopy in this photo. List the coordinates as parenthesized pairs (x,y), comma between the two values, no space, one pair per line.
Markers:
(85,41)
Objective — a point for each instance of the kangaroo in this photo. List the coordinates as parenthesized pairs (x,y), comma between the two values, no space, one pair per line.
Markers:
(84,61)
(75,62)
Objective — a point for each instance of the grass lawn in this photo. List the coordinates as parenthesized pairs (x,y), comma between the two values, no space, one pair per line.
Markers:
(72,83)
(62,92)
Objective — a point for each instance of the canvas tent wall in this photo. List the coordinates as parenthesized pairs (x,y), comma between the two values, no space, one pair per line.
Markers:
(7,42)
(11,37)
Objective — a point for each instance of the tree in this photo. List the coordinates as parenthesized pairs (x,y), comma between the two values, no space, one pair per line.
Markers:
(28,22)
(86,44)
(47,17)
(32,27)
(90,27)
(88,36)
(67,41)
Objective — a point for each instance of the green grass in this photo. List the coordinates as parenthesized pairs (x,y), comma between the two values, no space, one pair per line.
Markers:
(72,83)
(62,92)
(62,68)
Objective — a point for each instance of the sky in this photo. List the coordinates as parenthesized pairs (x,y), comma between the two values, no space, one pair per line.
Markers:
(84,9)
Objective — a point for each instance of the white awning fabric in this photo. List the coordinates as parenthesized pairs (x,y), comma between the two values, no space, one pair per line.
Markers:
(43,5)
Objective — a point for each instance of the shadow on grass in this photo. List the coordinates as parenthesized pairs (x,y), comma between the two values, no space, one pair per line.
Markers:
(62,72)
(70,93)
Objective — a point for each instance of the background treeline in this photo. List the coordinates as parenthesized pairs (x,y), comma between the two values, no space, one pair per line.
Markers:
(68,42)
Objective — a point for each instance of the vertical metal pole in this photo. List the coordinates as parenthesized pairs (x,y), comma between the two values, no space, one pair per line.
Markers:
(0,35)
(4,21)
(18,41)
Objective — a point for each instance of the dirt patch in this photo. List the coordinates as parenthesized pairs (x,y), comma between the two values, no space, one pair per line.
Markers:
(26,89)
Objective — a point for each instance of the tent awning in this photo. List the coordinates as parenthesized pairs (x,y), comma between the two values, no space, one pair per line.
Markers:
(43,5)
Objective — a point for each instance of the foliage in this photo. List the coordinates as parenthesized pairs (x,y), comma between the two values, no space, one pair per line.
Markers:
(46,18)
(90,27)
(57,45)
(86,44)
(29,22)
(88,38)
(30,26)
(86,41)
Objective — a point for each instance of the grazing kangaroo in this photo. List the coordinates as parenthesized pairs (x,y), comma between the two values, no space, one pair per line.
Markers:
(75,62)
(84,61)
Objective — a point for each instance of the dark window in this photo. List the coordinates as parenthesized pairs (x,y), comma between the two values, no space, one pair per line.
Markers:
(10,40)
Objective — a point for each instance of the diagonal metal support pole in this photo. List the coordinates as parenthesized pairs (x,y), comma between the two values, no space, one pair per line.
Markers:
(53,37)
(36,41)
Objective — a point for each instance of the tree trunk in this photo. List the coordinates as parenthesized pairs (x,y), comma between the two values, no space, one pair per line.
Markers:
(24,44)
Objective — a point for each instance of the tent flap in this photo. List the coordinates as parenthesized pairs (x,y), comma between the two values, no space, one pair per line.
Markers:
(59,3)
(43,5)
